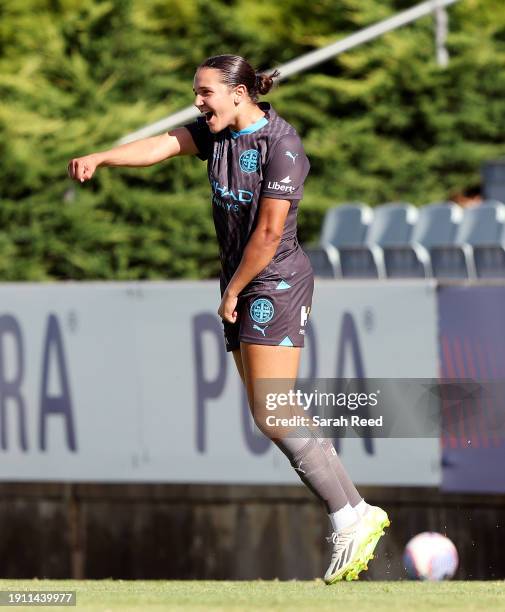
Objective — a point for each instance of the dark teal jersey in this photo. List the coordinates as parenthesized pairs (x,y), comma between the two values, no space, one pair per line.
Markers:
(265,159)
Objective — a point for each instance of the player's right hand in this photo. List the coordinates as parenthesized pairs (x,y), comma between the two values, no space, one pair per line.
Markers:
(82,168)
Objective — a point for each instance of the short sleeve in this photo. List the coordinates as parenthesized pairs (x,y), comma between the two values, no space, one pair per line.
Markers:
(202,137)
(286,170)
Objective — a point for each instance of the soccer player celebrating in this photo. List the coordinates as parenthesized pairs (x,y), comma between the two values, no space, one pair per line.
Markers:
(256,168)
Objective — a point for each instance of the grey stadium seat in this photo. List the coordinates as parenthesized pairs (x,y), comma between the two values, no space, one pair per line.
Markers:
(436,225)
(346,225)
(392,225)
(477,245)
(343,225)
(489,250)
(323,261)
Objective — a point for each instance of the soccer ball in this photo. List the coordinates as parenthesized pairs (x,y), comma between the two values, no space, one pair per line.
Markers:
(430,556)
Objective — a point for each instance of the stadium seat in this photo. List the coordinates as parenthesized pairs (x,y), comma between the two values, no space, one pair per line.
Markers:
(488,244)
(436,225)
(409,261)
(392,225)
(346,225)
(343,225)
(324,260)
(477,244)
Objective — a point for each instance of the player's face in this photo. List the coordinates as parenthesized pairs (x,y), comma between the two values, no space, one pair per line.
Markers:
(214,98)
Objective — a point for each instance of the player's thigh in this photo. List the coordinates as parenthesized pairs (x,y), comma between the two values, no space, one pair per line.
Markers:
(267,361)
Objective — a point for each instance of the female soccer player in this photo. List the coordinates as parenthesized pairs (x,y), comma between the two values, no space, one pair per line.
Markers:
(257,167)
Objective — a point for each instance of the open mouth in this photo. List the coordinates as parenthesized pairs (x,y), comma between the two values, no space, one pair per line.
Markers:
(208,116)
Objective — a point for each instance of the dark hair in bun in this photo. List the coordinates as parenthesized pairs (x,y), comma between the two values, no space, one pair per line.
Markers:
(235,70)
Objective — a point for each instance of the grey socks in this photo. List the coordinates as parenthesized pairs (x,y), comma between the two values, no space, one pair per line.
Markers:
(310,461)
(350,490)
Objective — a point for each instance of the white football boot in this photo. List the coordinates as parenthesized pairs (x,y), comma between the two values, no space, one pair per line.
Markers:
(347,545)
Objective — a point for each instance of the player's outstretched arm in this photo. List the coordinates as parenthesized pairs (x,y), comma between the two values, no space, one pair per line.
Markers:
(144,152)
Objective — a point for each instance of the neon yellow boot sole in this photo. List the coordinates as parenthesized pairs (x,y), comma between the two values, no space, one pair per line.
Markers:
(366,553)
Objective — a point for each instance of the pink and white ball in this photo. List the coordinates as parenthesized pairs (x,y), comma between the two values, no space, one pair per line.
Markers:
(430,556)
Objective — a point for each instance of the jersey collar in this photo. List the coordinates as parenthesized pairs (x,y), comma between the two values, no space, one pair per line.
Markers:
(254,127)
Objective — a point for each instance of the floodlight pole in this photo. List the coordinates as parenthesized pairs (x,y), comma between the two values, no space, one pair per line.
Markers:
(441,30)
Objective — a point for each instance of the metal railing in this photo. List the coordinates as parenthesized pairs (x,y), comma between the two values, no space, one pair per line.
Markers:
(437,7)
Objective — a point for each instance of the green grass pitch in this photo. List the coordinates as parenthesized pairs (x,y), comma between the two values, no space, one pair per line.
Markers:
(150,596)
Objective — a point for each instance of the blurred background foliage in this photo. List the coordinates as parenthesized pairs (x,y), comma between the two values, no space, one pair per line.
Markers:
(381,123)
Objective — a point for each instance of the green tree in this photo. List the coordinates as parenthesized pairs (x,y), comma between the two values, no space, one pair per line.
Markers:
(380,123)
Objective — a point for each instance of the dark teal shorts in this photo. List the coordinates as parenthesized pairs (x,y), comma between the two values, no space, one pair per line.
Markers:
(277,317)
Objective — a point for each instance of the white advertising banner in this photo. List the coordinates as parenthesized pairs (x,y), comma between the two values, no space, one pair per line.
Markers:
(130,382)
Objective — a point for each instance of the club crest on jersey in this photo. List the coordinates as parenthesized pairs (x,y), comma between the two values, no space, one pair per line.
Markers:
(262,310)
(249,160)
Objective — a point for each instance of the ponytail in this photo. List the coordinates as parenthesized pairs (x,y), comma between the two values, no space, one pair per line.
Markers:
(265,82)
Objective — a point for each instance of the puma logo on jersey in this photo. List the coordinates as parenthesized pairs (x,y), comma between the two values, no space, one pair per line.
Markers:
(261,329)
(293,156)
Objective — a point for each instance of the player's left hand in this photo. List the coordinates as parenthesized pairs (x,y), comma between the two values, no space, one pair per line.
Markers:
(227,308)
